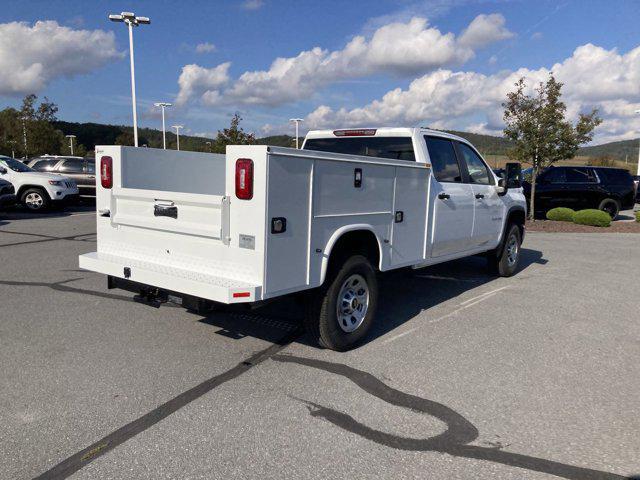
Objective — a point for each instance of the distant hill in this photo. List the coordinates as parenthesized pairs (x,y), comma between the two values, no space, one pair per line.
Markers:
(91,134)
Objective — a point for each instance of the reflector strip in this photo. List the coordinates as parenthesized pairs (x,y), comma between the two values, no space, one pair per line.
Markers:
(241,294)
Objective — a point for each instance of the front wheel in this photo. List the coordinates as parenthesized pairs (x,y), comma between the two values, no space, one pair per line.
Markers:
(341,313)
(504,262)
(35,199)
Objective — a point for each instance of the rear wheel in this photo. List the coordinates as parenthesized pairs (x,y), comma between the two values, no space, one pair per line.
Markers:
(35,199)
(341,313)
(505,261)
(611,206)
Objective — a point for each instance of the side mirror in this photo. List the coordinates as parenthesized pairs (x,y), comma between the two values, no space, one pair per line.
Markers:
(3,170)
(513,175)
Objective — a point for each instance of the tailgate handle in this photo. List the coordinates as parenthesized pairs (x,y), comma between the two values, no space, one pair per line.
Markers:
(165,211)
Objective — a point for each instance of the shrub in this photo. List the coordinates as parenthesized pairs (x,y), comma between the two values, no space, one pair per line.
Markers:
(561,214)
(638,216)
(595,218)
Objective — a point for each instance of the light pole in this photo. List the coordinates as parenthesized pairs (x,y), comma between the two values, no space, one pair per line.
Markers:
(297,122)
(24,134)
(71,137)
(177,127)
(163,105)
(132,21)
(13,148)
(638,172)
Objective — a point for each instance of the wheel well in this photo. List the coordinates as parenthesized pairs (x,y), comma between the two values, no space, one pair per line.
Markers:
(22,189)
(356,242)
(516,217)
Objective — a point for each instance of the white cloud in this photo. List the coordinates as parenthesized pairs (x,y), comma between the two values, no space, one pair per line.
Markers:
(205,47)
(484,30)
(398,48)
(197,80)
(593,77)
(33,56)
(252,4)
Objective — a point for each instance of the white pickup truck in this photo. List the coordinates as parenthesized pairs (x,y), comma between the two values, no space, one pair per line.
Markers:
(261,222)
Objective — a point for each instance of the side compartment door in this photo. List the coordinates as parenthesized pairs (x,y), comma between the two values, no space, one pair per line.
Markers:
(410,216)
(453,200)
(489,206)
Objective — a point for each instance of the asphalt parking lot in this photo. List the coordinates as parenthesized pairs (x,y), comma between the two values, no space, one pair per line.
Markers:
(466,376)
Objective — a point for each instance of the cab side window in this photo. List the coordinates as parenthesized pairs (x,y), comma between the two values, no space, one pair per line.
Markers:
(72,165)
(45,165)
(443,159)
(478,170)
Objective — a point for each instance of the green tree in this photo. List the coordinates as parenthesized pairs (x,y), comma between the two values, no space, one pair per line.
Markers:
(539,130)
(234,135)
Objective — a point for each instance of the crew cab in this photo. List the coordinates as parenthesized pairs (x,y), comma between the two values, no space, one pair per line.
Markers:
(36,190)
(261,222)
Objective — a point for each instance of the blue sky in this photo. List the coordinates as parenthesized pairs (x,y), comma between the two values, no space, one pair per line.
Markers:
(459,89)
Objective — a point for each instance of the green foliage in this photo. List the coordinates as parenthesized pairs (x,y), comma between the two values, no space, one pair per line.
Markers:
(537,126)
(638,216)
(561,214)
(234,135)
(593,217)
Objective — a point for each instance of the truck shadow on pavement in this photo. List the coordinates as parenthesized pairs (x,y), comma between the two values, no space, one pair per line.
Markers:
(403,295)
(455,440)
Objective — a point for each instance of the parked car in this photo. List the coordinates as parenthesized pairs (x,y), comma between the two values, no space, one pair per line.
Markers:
(260,222)
(7,194)
(37,190)
(81,170)
(604,188)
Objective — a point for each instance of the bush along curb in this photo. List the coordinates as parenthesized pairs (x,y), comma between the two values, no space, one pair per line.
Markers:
(638,216)
(595,218)
(561,214)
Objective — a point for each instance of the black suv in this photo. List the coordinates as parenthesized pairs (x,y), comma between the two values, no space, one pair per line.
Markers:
(82,170)
(608,189)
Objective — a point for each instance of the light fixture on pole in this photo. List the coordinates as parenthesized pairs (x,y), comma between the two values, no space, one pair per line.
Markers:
(132,21)
(71,137)
(163,105)
(177,127)
(297,122)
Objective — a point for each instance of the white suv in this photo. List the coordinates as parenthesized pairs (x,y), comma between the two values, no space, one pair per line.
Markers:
(37,190)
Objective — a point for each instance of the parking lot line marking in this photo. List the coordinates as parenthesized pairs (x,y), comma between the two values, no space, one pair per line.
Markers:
(47,238)
(85,456)
(462,306)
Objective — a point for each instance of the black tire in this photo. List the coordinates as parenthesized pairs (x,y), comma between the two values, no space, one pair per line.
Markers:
(322,319)
(501,262)
(611,206)
(35,199)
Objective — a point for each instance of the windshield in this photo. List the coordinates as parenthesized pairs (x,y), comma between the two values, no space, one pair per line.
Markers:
(15,165)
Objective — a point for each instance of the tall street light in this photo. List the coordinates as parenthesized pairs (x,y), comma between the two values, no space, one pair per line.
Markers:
(132,21)
(177,127)
(297,122)
(71,137)
(24,134)
(638,173)
(163,105)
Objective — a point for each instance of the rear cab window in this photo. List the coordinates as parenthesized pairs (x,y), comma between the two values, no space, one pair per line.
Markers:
(396,148)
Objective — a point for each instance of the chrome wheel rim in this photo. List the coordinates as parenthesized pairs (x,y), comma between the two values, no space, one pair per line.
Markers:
(353,303)
(34,201)
(512,250)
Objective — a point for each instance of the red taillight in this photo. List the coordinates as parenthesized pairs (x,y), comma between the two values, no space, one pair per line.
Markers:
(244,179)
(241,294)
(106,172)
(362,132)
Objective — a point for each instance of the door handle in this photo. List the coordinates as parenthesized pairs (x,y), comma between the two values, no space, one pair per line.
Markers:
(479,195)
(443,196)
